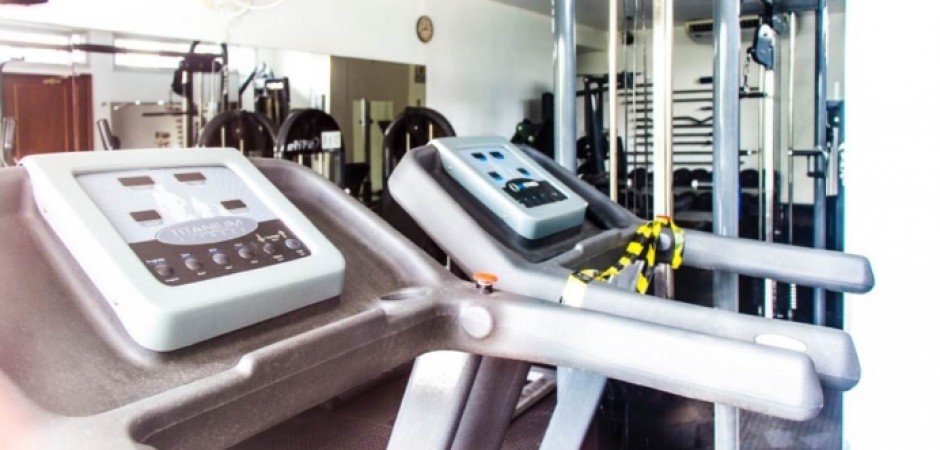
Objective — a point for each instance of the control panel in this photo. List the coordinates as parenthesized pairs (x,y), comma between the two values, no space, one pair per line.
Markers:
(184,245)
(511,185)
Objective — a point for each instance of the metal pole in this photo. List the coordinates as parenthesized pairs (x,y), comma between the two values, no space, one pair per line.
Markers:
(769,155)
(662,126)
(819,133)
(791,55)
(366,124)
(612,40)
(187,105)
(727,143)
(566,124)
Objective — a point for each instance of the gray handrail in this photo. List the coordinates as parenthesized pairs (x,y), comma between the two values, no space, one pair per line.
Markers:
(8,142)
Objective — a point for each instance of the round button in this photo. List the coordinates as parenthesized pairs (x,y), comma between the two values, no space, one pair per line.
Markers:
(163,270)
(246,253)
(269,248)
(220,259)
(193,264)
(292,244)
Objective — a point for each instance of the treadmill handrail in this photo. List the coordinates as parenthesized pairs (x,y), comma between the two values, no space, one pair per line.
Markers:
(827,269)
(832,351)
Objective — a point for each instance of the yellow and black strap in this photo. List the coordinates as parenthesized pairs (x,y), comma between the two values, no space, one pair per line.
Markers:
(644,246)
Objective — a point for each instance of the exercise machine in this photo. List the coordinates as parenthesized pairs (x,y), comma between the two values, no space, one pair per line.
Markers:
(271,94)
(7,142)
(251,133)
(201,80)
(515,213)
(414,127)
(312,138)
(125,326)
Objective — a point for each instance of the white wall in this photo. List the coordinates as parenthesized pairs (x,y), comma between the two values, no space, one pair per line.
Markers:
(891,162)
(486,61)
(308,73)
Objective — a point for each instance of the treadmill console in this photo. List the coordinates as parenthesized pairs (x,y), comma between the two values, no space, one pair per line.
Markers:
(512,186)
(184,245)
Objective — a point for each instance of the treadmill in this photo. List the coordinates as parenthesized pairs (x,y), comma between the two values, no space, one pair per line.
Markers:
(496,207)
(194,298)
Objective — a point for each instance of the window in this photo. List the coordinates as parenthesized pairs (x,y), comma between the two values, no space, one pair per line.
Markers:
(169,62)
(29,46)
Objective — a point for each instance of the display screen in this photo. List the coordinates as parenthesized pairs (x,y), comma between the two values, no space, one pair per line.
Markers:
(136,181)
(190,177)
(178,206)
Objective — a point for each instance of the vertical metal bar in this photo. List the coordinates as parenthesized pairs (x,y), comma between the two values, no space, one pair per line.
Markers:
(662,126)
(614,151)
(579,393)
(491,404)
(434,400)
(187,105)
(566,124)
(727,136)
(727,142)
(662,106)
(366,124)
(791,65)
(819,134)
(769,155)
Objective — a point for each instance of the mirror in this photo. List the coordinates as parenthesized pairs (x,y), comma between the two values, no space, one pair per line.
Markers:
(59,83)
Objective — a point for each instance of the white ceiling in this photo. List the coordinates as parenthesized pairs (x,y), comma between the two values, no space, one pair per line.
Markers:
(593,13)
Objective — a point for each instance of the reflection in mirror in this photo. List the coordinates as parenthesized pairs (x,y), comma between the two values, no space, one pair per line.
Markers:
(44,102)
(78,90)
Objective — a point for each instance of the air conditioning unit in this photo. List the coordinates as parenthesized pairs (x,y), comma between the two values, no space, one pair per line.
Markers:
(701,31)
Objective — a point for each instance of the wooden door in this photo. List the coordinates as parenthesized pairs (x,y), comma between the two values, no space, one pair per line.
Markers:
(53,113)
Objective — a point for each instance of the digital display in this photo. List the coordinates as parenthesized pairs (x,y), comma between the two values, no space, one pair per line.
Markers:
(136,182)
(190,177)
(234,205)
(146,216)
(178,204)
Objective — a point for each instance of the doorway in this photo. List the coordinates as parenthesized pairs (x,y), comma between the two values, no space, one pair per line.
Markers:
(53,113)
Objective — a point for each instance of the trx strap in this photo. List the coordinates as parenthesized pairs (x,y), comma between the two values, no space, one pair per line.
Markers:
(659,241)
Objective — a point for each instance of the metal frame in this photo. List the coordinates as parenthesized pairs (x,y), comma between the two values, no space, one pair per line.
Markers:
(417,182)
(566,124)
(225,390)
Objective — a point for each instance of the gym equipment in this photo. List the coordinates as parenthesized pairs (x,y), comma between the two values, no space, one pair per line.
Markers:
(526,197)
(271,94)
(476,239)
(251,133)
(108,139)
(273,100)
(71,376)
(414,127)
(185,245)
(682,177)
(539,135)
(7,142)
(184,84)
(312,138)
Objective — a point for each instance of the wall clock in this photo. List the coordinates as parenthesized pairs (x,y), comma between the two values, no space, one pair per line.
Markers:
(425,29)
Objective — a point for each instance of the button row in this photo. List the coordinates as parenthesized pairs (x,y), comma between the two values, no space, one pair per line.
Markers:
(541,199)
(245,252)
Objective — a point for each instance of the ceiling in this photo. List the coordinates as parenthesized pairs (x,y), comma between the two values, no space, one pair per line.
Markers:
(593,13)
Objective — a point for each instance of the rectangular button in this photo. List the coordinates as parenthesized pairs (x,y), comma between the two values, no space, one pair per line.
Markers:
(136,182)
(190,177)
(147,218)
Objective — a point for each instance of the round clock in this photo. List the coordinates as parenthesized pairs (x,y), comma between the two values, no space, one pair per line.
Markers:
(425,29)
